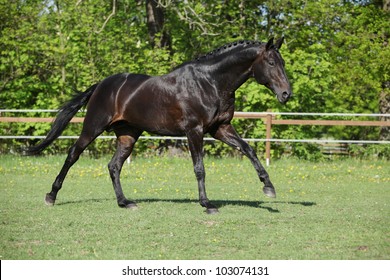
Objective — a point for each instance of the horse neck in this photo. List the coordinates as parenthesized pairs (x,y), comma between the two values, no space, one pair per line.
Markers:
(232,70)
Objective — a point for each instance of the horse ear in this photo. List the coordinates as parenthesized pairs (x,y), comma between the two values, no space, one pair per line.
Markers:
(270,44)
(279,43)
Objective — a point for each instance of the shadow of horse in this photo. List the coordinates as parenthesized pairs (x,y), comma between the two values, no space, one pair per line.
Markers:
(218,203)
(223,203)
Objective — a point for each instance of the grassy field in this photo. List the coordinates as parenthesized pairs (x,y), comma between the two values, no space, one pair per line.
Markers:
(329,210)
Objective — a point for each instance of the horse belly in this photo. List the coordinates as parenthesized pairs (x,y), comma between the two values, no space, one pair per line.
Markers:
(155,114)
(163,121)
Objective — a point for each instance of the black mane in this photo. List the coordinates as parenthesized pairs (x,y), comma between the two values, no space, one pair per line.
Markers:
(228,48)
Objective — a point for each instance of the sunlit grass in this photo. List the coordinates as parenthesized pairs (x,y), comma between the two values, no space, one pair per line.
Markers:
(328,210)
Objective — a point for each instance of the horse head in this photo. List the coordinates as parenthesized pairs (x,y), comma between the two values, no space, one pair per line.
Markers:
(268,70)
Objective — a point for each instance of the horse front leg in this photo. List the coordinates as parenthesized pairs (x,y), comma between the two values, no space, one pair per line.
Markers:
(227,134)
(195,141)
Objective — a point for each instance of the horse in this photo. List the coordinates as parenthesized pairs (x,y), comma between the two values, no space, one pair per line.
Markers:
(193,99)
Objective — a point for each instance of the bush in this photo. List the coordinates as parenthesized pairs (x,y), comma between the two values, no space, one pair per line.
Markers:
(307,151)
(380,151)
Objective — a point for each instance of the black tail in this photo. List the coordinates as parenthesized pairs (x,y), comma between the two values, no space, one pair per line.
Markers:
(65,114)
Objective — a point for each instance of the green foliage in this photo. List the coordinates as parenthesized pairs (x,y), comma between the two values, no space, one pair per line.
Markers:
(307,151)
(369,152)
(336,55)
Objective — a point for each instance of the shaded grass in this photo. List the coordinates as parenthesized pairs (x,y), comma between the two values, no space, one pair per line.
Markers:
(329,210)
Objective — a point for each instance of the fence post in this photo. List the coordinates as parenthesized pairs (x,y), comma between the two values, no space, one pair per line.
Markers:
(268,141)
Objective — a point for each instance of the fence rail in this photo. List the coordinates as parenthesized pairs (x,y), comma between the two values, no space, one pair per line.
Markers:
(269,119)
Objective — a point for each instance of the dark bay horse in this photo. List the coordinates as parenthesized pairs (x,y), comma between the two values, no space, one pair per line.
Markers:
(194,99)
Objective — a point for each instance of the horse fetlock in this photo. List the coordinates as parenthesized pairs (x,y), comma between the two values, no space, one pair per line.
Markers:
(204,203)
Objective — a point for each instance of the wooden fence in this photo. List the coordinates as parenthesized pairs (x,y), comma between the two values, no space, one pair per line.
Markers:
(269,119)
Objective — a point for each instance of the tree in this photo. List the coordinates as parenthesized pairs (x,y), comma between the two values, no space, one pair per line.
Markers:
(155,22)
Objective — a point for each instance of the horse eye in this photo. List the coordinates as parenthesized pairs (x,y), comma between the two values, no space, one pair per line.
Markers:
(271,62)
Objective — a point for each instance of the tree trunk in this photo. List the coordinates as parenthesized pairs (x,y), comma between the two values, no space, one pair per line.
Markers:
(155,20)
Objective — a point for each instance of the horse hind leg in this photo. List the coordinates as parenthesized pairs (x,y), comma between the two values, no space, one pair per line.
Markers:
(74,153)
(125,144)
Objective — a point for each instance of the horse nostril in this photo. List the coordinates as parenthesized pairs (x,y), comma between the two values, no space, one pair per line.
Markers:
(285,95)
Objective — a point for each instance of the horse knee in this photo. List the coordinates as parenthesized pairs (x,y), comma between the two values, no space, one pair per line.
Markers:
(73,155)
(113,168)
(199,173)
(249,151)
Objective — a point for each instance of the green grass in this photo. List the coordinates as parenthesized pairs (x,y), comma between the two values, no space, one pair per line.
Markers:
(329,210)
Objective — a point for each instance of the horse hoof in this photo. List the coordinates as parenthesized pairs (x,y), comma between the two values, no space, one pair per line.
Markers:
(270,192)
(49,201)
(212,211)
(131,206)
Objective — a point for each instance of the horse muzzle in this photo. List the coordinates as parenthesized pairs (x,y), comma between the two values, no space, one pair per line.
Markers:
(284,96)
